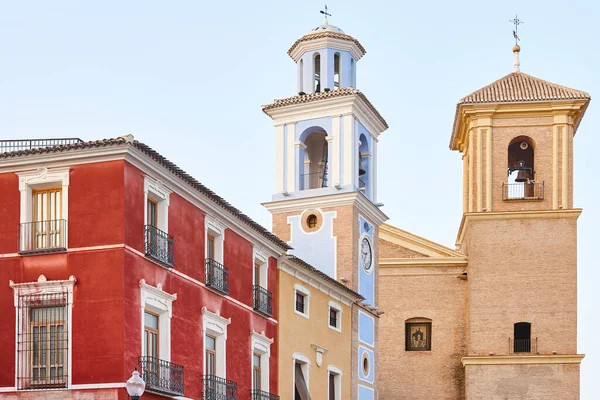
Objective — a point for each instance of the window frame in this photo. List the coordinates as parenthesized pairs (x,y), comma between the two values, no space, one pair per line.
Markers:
(157,192)
(333,306)
(215,229)
(417,321)
(299,358)
(152,330)
(261,345)
(156,301)
(337,376)
(215,326)
(299,289)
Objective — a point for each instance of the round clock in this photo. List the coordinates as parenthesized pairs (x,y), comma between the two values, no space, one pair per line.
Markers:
(366,255)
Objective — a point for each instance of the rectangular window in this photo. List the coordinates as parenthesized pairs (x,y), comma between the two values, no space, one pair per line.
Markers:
(43,341)
(256,371)
(333,317)
(47,219)
(332,387)
(210,247)
(150,334)
(211,355)
(418,336)
(300,303)
(152,212)
(257,275)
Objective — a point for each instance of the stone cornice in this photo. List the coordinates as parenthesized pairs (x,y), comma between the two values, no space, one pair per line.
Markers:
(423,262)
(529,359)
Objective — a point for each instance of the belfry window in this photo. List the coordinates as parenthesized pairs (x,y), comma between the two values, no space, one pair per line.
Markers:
(314,174)
(336,71)
(317,72)
(521,180)
(352,80)
(301,77)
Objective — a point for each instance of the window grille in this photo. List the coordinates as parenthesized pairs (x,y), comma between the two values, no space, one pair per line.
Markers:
(42,346)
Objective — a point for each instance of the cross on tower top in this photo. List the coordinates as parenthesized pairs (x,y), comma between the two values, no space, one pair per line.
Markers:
(516,22)
(326,14)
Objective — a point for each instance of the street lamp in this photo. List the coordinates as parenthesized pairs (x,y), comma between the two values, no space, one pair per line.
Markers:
(135,386)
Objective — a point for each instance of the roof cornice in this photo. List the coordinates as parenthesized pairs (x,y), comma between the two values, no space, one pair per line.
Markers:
(416,243)
(324,40)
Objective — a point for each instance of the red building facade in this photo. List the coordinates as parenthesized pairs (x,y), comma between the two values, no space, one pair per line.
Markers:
(113,258)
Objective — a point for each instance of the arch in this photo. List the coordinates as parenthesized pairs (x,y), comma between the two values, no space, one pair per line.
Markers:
(317,72)
(521,168)
(301,77)
(337,70)
(364,160)
(522,337)
(314,158)
(418,334)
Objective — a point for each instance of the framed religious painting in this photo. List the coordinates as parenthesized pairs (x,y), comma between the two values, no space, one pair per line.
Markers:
(418,336)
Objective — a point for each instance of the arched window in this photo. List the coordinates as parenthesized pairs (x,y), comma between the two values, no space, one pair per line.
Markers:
(521,173)
(314,174)
(317,72)
(301,77)
(522,337)
(418,334)
(364,157)
(336,71)
(352,77)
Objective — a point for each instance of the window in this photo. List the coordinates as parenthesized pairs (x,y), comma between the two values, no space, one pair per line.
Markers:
(336,71)
(214,239)
(522,337)
(157,309)
(317,72)
(301,377)
(211,355)
(256,372)
(352,74)
(152,213)
(311,221)
(335,316)
(301,300)
(44,209)
(210,246)
(43,333)
(334,383)
(215,338)
(158,245)
(301,76)
(418,335)
(261,351)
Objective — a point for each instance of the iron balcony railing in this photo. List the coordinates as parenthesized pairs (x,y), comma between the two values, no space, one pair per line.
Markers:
(522,345)
(263,300)
(158,245)
(162,376)
(7,146)
(216,388)
(523,191)
(260,395)
(43,236)
(217,276)
(313,180)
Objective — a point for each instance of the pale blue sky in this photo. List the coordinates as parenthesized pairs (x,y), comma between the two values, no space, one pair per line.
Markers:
(188,78)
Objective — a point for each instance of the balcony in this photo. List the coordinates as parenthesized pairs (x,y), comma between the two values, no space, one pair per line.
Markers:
(8,146)
(263,301)
(158,245)
(260,395)
(523,191)
(313,180)
(522,346)
(215,388)
(162,376)
(217,276)
(43,236)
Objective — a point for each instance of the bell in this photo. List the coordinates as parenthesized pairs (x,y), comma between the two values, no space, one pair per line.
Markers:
(361,170)
(521,176)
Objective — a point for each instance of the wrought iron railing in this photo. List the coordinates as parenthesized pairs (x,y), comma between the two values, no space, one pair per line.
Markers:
(263,300)
(522,345)
(158,245)
(7,146)
(523,191)
(43,236)
(217,276)
(313,180)
(216,388)
(162,376)
(260,395)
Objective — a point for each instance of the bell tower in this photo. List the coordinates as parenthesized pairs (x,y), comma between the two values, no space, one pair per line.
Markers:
(519,231)
(325,201)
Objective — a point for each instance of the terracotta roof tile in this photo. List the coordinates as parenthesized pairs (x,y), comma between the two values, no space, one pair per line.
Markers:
(517,86)
(170,166)
(307,98)
(323,275)
(326,34)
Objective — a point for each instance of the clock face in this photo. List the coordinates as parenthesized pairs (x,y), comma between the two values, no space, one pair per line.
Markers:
(366,255)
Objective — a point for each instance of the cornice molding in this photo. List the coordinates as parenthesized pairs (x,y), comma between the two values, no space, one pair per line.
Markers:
(519,360)
(423,262)
(415,243)
(326,43)
(506,215)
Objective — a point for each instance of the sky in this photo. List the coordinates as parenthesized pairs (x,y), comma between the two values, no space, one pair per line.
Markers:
(188,78)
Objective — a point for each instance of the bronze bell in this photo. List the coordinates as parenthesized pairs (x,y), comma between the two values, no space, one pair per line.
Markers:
(521,176)
(361,170)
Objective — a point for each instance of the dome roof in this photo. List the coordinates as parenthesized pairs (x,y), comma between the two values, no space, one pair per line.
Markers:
(326,27)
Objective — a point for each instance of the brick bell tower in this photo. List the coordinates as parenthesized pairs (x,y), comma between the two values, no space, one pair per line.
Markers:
(519,230)
(325,205)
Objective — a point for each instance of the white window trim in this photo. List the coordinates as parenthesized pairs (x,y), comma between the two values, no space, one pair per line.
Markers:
(261,345)
(258,257)
(158,301)
(305,361)
(338,308)
(39,179)
(216,326)
(301,289)
(337,380)
(215,228)
(155,190)
(41,287)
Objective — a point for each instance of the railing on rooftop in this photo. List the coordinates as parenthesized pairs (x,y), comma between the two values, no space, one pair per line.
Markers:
(162,376)
(43,236)
(216,388)
(8,146)
(313,180)
(263,300)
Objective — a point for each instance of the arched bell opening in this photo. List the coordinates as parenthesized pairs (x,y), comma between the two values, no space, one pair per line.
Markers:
(364,164)
(314,156)
(317,72)
(336,71)
(521,170)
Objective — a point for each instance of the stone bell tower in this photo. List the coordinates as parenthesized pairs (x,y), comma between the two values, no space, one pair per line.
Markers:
(325,205)
(519,231)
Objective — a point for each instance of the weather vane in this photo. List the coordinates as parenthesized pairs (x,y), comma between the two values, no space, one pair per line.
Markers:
(325,13)
(515,21)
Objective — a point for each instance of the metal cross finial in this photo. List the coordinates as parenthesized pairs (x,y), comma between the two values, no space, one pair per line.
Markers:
(516,22)
(325,13)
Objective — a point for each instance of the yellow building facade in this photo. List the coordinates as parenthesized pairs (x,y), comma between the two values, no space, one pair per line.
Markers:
(316,332)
